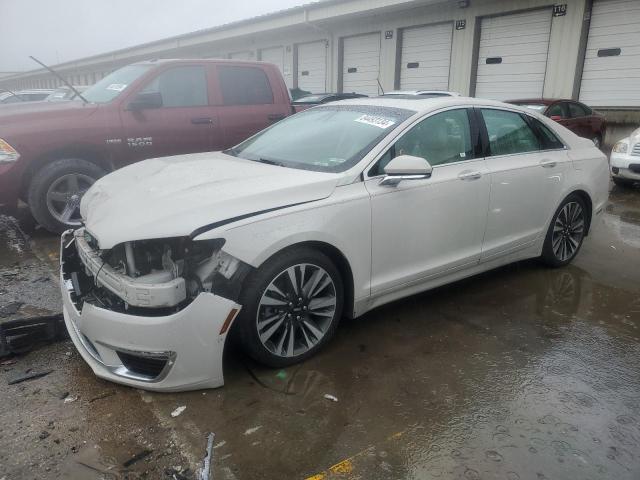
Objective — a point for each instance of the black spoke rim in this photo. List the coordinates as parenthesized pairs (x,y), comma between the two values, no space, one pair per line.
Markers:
(568,231)
(296,310)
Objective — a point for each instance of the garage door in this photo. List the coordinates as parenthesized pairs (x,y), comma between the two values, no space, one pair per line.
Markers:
(240,55)
(512,61)
(425,57)
(361,64)
(611,75)
(273,55)
(312,67)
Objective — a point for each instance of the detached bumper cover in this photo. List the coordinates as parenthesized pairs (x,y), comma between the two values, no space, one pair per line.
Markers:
(177,352)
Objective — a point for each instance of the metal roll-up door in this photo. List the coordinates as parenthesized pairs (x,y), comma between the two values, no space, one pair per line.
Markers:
(611,74)
(426,57)
(361,64)
(273,55)
(240,56)
(312,67)
(512,60)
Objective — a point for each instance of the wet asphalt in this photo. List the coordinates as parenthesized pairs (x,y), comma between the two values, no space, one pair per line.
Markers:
(520,373)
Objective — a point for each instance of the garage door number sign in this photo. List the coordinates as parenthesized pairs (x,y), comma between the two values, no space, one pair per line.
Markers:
(560,10)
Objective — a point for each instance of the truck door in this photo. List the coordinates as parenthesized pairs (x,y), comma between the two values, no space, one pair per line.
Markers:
(170,115)
(250,101)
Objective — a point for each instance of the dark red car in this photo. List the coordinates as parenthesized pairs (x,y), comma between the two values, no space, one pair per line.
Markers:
(575,116)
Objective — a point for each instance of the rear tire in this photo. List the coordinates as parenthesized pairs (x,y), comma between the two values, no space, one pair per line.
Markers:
(55,192)
(281,324)
(622,182)
(566,232)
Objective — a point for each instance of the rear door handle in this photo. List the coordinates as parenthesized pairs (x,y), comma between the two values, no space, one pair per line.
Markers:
(548,163)
(470,175)
(202,121)
(275,117)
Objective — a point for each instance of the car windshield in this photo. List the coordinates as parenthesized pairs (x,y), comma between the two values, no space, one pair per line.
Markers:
(325,139)
(114,84)
(538,107)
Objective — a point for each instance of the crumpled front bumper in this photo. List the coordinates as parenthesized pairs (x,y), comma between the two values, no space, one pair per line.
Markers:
(177,352)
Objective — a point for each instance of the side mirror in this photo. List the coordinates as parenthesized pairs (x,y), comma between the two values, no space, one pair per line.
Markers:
(555,118)
(406,167)
(145,100)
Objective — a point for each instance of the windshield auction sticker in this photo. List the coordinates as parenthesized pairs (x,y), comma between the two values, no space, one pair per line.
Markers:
(118,87)
(375,121)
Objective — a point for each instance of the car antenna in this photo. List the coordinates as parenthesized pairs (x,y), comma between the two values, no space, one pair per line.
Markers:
(59,77)
(13,93)
(380,85)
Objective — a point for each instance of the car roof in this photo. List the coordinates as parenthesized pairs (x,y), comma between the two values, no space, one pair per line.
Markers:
(423,92)
(424,105)
(542,101)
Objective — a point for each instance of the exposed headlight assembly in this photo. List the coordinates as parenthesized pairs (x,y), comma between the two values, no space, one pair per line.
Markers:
(8,154)
(621,147)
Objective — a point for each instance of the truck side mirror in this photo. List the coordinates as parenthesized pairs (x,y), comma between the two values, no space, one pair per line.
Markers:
(145,100)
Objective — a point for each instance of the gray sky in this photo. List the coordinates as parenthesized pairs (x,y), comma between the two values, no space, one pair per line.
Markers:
(62,30)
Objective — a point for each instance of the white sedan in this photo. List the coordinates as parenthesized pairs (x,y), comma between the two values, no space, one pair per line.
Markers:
(329,213)
(625,160)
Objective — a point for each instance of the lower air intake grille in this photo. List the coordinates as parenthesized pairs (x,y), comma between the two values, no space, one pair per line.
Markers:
(143,365)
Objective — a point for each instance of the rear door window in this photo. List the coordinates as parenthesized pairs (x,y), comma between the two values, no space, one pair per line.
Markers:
(509,133)
(576,110)
(244,86)
(181,86)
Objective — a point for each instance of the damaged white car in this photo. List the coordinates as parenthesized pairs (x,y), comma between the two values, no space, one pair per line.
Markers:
(328,213)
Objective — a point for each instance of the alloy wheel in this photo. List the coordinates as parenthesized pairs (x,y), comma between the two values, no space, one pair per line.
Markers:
(296,310)
(64,195)
(568,231)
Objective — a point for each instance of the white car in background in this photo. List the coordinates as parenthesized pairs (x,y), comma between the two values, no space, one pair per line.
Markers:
(625,160)
(329,213)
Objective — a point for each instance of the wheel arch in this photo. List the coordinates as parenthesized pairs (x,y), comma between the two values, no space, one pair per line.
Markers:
(87,153)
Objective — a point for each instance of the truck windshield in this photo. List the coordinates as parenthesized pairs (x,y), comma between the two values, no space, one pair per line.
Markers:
(114,84)
(324,139)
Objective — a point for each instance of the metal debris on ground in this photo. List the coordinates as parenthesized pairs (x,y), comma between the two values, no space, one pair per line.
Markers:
(29,376)
(330,397)
(178,411)
(102,395)
(204,473)
(137,457)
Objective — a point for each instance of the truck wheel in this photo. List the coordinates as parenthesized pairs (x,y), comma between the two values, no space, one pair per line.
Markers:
(55,192)
(291,307)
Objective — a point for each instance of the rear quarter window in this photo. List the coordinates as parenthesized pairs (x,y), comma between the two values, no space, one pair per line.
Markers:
(244,86)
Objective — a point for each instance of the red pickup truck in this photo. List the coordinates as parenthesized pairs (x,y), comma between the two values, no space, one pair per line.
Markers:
(51,152)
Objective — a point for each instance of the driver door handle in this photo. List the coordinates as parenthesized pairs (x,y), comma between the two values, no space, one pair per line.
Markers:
(548,163)
(470,175)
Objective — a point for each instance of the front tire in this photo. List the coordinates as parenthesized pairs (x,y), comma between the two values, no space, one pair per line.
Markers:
(291,307)
(566,232)
(55,192)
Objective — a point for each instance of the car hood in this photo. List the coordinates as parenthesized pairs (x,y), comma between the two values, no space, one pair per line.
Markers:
(174,196)
(29,111)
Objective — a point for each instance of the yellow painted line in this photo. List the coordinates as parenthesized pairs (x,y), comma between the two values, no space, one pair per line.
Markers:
(346,466)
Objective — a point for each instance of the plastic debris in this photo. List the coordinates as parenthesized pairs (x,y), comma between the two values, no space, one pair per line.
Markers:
(29,376)
(330,397)
(137,457)
(178,411)
(252,430)
(70,399)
